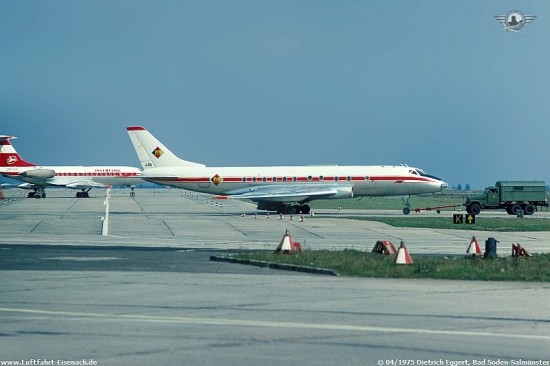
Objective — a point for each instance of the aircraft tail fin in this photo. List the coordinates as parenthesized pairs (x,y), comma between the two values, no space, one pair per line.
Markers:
(8,156)
(152,153)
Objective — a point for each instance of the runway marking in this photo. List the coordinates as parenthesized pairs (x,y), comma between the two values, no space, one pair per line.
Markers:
(83,259)
(34,228)
(270,324)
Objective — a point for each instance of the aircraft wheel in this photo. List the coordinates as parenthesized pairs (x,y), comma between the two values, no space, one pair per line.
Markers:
(291,210)
(406,210)
(306,209)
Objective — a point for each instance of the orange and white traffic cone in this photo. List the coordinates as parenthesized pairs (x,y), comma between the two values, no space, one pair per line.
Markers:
(474,248)
(403,256)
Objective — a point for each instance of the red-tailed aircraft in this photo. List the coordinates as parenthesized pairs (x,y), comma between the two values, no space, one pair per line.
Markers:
(83,178)
(285,189)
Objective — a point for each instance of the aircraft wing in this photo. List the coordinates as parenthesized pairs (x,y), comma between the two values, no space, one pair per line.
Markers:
(289,193)
(84,184)
(42,180)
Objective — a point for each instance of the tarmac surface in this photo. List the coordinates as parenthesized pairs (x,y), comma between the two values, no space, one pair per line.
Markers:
(147,293)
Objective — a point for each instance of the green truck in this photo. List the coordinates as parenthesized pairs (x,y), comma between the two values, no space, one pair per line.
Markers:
(514,196)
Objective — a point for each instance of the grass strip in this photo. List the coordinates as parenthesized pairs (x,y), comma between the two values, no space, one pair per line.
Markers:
(365,264)
(505,224)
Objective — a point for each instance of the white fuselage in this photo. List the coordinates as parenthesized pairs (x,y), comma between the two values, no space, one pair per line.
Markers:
(363,180)
(67,175)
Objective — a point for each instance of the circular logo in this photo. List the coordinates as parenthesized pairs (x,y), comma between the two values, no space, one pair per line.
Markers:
(515,20)
(216,179)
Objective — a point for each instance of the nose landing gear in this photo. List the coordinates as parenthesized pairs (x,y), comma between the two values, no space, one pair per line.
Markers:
(407,209)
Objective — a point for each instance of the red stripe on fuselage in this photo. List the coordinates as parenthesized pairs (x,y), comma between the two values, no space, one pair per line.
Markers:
(401,179)
(286,179)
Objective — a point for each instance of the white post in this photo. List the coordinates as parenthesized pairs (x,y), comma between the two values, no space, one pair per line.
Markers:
(105,228)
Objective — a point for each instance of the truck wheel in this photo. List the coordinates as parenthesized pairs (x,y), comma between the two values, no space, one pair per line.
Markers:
(515,208)
(529,210)
(475,208)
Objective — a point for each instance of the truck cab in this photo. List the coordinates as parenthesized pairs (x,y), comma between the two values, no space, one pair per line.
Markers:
(492,195)
(488,199)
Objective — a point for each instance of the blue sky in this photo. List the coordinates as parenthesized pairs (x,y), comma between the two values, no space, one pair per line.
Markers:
(433,84)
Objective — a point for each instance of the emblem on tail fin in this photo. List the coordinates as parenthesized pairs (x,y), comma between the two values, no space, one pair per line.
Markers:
(11,160)
(158,152)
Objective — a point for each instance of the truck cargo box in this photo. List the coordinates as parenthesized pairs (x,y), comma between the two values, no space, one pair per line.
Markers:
(522,190)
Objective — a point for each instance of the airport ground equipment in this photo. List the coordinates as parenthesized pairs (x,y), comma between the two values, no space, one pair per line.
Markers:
(403,256)
(474,248)
(287,245)
(384,247)
(491,248)
(519,251)
(516,197)
(436,208)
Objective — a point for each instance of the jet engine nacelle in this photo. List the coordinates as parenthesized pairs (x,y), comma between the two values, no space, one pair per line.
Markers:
(343,192)
(28,186)
(38,173)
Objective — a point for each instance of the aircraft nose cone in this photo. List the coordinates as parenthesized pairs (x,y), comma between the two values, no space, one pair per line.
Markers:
(444,185)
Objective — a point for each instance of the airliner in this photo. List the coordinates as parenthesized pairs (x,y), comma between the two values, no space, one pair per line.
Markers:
(82,178)
(284,189)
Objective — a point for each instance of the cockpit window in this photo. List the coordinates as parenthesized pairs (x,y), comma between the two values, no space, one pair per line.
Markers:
(422,173)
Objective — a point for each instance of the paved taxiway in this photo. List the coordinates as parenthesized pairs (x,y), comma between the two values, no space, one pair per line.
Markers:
(148,294)
(173,218)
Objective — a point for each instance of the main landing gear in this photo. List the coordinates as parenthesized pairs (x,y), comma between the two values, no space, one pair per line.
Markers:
(83,193)
(283,208)
(38,193)
(294,209)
